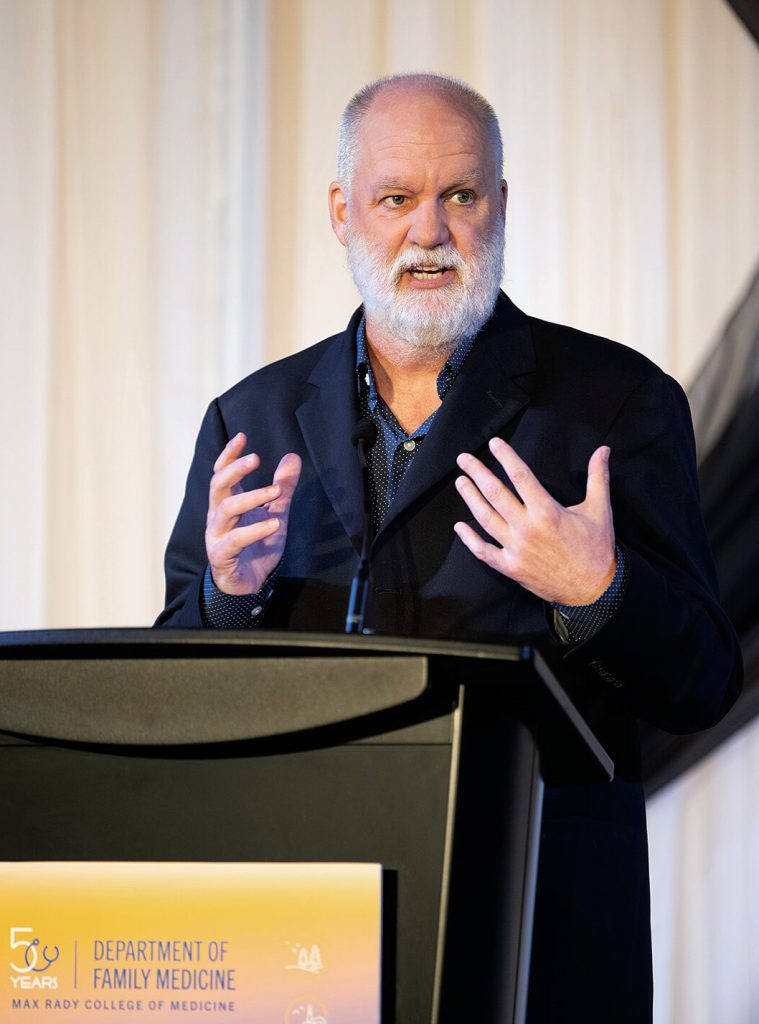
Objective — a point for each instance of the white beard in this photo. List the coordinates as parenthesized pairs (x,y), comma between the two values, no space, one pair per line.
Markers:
(428,321)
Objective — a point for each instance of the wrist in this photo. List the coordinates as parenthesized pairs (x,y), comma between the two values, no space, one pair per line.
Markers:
(222,610)
(574,623)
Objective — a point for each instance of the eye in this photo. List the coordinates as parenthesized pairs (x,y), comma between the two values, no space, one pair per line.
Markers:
(464,197)
(394,202)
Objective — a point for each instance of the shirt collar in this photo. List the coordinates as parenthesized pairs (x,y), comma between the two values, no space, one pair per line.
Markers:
(445,379)
(366,382)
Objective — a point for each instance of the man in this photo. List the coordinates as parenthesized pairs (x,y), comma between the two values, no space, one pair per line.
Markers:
(527,481)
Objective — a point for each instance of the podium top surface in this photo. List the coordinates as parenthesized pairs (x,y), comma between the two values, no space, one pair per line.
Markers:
(180,687)
(131,641)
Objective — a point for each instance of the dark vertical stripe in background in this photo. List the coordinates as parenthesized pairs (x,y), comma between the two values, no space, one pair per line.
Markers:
(725,404)
(748,12)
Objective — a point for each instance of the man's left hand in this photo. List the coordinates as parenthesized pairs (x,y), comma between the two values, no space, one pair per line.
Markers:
(560,554)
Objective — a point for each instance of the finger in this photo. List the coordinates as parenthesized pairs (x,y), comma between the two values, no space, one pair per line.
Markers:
(232,543)
(227,479)
(232,450)
(490,487)
(526,484)
(286,477)
(597,496)
(482,510)
(231,508)
(487,553)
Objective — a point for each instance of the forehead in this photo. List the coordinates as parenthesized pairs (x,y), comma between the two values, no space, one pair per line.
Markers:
(408,129)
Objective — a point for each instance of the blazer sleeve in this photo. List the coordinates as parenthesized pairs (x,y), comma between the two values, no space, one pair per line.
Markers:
(670,653)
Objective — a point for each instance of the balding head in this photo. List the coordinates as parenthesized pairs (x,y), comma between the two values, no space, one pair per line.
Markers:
(405,89)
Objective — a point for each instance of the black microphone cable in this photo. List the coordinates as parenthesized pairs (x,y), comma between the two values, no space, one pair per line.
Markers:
(363,437)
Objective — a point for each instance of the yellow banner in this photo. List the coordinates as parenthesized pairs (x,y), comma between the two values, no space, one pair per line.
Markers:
(206,943)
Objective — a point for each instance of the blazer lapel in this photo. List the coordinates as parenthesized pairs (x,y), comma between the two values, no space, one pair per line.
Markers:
(492,387)
(327,417)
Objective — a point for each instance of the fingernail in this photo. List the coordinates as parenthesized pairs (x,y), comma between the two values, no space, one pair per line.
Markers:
(273,524)
(274,489)
(496,442)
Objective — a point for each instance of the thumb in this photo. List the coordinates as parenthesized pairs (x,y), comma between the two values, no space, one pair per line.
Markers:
(287,474)
(597,497)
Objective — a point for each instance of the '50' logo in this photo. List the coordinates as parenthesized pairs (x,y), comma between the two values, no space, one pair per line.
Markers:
(32,952)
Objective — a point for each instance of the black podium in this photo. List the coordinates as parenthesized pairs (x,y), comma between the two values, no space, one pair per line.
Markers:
(423,756)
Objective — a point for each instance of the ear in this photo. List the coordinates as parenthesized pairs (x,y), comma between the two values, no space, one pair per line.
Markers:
(504,195)
(338,210)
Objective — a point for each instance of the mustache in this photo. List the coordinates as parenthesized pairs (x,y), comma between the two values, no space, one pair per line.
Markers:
(442,257)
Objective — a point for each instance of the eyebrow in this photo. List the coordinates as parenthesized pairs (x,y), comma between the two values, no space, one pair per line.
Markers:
(466,181)
(388,184)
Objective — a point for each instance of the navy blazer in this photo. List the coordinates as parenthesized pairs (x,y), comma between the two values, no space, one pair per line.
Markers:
(668,656)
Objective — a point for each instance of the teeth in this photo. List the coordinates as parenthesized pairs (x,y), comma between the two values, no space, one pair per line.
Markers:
(425,275)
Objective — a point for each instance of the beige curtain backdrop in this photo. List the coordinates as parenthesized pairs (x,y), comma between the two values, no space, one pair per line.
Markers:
(163,232)
(704,846)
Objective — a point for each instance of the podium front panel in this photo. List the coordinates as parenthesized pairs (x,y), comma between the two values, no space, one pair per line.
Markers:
(150,746)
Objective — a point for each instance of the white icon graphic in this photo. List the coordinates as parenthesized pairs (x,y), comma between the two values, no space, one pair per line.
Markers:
(307,1013)
(309,960)
(31,954)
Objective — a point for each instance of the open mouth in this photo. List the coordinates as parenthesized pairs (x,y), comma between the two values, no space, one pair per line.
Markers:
(427,273)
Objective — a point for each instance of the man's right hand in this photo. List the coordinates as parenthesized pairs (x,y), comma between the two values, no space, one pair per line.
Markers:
(246,530)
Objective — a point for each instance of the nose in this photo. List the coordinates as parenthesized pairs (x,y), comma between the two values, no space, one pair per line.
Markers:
(428,226)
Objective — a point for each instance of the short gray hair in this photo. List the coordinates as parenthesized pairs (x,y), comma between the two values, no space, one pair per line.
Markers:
(458,93)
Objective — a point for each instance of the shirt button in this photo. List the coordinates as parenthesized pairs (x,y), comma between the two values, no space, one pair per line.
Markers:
(409,445)
(255,612)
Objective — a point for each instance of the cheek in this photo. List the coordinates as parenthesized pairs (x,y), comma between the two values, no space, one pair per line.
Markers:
(389,236)
(372,225)
(467,242)
(387,245)
(471,237)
